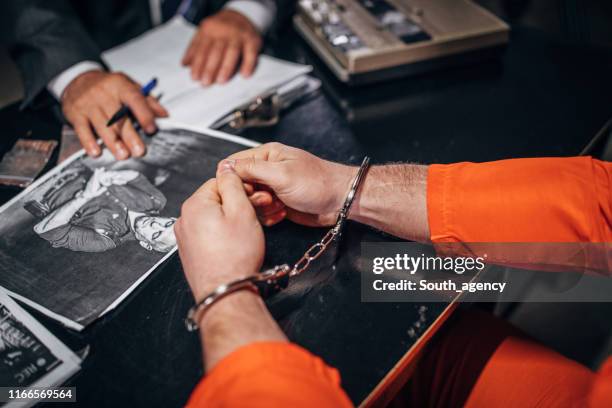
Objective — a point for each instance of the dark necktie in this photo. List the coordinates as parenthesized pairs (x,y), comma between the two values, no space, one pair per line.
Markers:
(169,8)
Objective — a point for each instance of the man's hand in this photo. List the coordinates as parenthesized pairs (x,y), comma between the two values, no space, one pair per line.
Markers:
(293,183)
(221,42)
(220,240)
(93,97)
(218,235)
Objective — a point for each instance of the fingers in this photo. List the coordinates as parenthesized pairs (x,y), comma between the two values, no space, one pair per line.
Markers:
(207,194)
(199,59)
(261,198)
(157,107)
(205,199)
(140,108)
(108,135)
(213,62)
(94,97)
(273,219)
(190,52)
(125,132)
(249,189)
(230,60)
(260,171)
(132,139)
(86,137)
(268,151)
(249,56)
(231,190)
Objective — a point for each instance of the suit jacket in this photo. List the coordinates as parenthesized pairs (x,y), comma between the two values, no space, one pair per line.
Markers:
(46,37)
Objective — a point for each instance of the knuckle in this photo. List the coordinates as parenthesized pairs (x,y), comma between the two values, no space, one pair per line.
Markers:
(255,40)
(208,185)
(247,164)
(207,24)
(275,147)
(253,43)
(133,96)
(120,76)
(187,209)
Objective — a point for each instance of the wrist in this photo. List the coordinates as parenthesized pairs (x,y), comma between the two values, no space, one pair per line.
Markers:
(366,205)
(233,306)
(240,319)
(60,83)
(211,281)
(393,198)
(73,88)
(344,176)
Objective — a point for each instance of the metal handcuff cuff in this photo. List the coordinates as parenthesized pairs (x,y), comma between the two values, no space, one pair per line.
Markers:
(273,280)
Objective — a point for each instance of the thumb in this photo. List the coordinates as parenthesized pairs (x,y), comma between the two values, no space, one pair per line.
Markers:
(258,171)
(231,189)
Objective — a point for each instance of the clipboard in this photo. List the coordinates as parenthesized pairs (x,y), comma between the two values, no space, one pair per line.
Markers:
(265,109)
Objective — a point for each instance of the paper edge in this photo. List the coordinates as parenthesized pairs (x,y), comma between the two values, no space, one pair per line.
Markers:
(72,324)
(209,132)
(70,362)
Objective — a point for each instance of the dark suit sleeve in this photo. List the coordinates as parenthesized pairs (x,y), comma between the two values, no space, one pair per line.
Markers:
(45,38)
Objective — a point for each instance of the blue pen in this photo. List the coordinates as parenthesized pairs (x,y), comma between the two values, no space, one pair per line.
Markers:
(124,110)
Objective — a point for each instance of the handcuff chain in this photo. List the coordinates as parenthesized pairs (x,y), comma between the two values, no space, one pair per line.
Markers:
(274,276)
(317,249)
(313,252)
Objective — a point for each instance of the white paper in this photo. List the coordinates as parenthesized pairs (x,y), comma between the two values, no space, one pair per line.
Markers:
(158,53)
(30,335)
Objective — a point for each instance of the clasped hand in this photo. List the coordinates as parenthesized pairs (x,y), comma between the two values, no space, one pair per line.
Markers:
(219,233)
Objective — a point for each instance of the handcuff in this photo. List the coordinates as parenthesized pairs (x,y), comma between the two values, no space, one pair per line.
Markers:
(273,280)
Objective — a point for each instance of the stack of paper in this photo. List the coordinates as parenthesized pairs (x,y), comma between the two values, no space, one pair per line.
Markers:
(31,355)
(158,53)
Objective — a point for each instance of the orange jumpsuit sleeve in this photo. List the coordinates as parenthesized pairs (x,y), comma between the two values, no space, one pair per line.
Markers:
(530,200)
(526,200)
(521,200)
(270,374)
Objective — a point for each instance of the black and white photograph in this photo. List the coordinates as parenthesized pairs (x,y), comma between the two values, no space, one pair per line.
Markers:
(30,356)
(76,242)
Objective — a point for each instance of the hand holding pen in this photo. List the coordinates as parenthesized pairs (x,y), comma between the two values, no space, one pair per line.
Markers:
(124,111)
(94,97)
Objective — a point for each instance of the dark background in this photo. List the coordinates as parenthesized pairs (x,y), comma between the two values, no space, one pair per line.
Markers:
(547,96)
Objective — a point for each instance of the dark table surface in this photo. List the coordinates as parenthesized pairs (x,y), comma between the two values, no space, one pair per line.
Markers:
(542,98)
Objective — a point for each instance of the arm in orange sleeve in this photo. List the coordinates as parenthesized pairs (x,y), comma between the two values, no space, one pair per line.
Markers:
(270,374)
(561,200)
(521,200)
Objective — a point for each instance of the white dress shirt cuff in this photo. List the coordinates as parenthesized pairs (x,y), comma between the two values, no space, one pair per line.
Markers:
(260,12)
(57,85)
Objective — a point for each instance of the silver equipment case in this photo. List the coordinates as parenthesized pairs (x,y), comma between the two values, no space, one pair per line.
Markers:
(370,40)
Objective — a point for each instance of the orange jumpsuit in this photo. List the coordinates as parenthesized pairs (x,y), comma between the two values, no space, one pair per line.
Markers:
(519,200)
